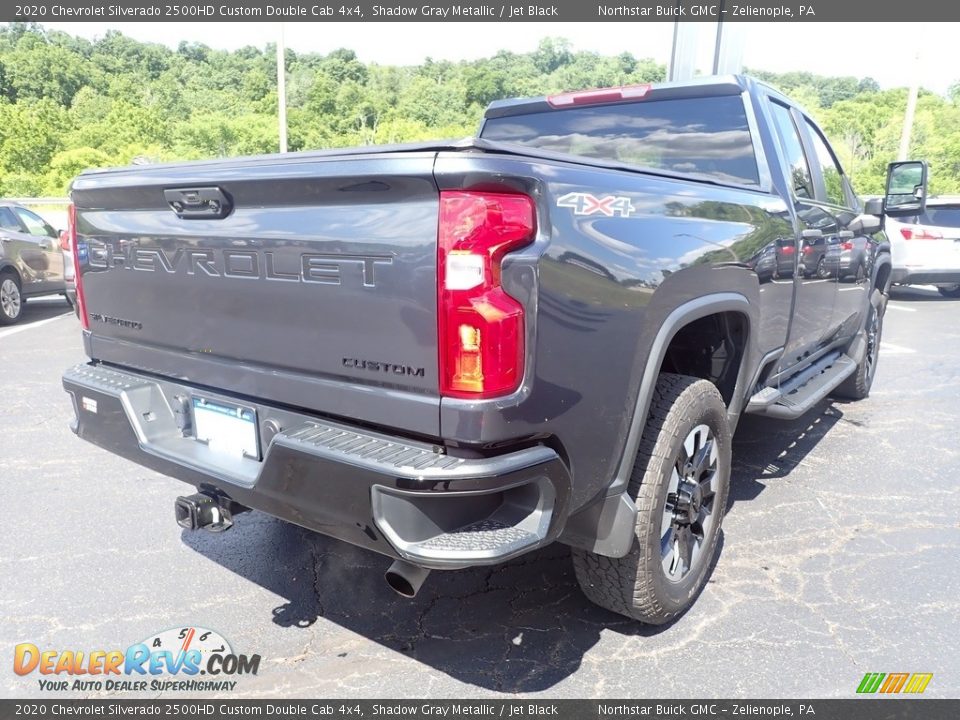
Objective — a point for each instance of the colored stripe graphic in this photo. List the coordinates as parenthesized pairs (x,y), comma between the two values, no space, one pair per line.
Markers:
(918,682)
(870,683)
(894,682)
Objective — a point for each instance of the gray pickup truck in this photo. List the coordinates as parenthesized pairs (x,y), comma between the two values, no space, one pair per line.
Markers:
(455,353)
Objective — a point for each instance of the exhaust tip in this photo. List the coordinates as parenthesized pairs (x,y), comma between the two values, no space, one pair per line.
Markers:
(400,585)
(405,579)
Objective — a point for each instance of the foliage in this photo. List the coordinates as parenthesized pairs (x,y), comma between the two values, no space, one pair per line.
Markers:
(864,124)
(67,103)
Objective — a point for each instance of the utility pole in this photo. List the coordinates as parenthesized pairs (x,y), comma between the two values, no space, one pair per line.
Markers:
(911,110)
(282,90)
(727,45)
(683,53)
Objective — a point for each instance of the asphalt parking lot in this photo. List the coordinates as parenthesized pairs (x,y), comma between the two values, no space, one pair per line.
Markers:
(840,556)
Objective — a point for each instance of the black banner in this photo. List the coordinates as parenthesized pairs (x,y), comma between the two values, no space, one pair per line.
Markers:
(482,10)
(853,709)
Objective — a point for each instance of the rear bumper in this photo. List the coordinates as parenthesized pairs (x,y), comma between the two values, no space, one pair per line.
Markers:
(925,276)
(402,498)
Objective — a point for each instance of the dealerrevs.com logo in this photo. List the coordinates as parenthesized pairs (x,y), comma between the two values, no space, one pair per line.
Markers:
(174,659)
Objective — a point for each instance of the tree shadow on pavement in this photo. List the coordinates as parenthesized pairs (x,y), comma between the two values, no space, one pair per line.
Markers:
(521,626)
(765,449)
(518,627)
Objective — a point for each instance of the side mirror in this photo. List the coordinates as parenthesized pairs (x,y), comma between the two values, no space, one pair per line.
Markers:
(866,223)
(873,206)
(906,188)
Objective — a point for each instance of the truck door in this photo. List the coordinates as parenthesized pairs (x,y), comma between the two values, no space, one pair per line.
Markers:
(811,324)
(849,255)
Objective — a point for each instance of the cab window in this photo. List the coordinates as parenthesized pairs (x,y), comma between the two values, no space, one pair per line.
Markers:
(801,180)
(832,174)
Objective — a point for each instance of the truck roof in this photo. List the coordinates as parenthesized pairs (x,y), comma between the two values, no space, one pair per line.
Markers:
(711,85)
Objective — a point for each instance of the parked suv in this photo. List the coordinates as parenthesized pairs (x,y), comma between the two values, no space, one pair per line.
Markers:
(31,260)
(926,247)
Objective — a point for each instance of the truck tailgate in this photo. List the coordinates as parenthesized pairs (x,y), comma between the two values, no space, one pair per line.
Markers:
(317,289)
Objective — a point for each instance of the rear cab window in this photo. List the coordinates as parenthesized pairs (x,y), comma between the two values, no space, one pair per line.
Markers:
(705,137)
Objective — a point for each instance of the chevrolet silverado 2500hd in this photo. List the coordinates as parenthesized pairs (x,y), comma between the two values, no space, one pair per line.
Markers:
(455,353)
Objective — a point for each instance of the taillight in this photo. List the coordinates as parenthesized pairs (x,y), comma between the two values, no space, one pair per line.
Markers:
(77,273)
(786,250)
(919,233)
(481,328)
(846,245)
(64,240)
(807,249)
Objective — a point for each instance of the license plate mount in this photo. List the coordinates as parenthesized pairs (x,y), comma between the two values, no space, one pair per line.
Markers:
(226,428)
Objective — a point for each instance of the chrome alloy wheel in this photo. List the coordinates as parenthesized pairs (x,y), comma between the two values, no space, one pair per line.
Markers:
(689,513)
(10,298)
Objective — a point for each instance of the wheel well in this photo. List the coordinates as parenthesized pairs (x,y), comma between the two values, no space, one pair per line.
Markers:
(11,270)
(883,277)
(711,348)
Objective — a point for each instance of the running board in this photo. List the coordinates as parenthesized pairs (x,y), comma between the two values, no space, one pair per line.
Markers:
(800,393)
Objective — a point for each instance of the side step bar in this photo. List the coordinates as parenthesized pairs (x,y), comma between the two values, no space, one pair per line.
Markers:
(800,393)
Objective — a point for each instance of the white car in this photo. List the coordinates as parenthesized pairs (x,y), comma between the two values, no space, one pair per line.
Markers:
(925,248)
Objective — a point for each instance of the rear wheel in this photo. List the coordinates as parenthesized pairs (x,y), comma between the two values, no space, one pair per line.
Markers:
(949,291)
(680,483)
(11,301)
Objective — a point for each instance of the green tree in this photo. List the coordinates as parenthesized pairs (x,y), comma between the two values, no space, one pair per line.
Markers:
(67,102)
(67,164)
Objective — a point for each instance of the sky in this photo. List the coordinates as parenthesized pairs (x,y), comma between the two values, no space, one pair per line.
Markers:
(891,53)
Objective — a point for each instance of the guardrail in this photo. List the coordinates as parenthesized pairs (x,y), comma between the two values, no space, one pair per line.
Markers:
(51,209)
(41,201)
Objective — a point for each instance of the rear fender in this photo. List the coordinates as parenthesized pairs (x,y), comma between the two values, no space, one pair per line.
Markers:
(606,526)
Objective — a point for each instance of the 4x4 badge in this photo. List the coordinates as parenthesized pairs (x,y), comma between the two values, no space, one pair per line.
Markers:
(587,204)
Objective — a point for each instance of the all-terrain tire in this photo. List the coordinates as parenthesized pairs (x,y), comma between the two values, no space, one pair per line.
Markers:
(638,585)
(857,386)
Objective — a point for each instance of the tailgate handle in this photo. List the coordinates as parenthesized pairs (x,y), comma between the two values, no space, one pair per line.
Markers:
(198,203)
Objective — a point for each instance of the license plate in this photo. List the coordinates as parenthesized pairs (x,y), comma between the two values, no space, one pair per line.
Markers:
(226,428)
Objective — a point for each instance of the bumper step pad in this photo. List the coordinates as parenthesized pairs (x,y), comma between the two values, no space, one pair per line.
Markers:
(431,508)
